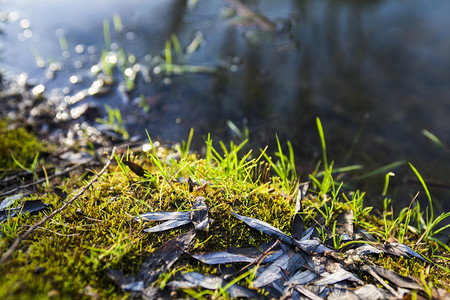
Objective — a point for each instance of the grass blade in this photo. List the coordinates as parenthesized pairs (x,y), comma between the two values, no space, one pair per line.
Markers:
(425,188)
(322,140)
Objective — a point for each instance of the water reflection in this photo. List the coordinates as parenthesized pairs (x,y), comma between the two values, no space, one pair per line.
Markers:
(374,68)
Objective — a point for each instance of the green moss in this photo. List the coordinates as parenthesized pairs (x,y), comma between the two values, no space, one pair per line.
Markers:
(97,232)
(68,256)
(18,142)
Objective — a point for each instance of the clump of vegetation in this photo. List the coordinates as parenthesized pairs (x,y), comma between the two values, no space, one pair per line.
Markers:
(17,145)
(114,122)
(69,255)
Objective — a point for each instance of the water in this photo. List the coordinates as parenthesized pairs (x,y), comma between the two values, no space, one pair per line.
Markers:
(379,68)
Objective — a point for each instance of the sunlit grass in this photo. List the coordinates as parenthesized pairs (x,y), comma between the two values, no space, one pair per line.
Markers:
(114,122)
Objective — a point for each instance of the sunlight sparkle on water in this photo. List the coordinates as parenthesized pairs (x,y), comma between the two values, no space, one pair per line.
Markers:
(39,89)
(27,33)
(95,87)
(25,23)
(62,115)
(3,16)
(40,62)
(74,79)
(95,69)
(77,112)
(22,79)
(79,48)
(157,70)
(128,72)
(111,59)
(55,66)
(75,98)
(13,16)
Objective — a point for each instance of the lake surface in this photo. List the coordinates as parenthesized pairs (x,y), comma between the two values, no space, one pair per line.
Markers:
(376,73)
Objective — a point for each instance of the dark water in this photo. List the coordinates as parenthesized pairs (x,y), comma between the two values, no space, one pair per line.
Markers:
(381,68)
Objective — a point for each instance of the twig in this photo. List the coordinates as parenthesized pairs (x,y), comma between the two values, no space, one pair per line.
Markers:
(369,270)
(259,258)
(59,234)
(16,243)
(68,170)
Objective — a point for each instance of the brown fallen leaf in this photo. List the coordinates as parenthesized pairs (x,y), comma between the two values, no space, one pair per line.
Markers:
(135,168)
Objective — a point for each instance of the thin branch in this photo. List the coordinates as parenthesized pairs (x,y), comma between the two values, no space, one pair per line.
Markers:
(259,258)
(370,270)
(16,243)
(68,170)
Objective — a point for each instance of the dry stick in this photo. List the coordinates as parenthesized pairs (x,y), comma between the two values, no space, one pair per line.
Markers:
(68,170)
(259,258)
(16,243)
(369,270)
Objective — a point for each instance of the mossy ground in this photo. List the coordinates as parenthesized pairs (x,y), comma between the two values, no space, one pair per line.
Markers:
(68,256)
(72,251)
(17,143)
